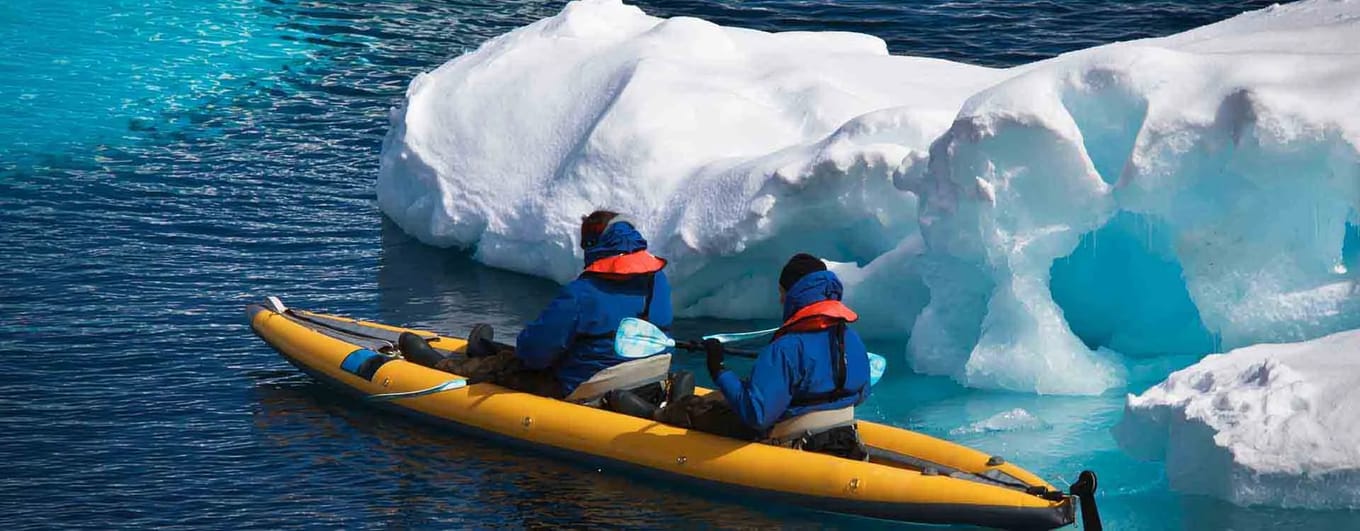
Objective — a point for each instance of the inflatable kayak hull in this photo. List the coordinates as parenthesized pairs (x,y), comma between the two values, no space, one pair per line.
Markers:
(909,477)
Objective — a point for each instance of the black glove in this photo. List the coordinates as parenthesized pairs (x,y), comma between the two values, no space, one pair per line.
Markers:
(714,349)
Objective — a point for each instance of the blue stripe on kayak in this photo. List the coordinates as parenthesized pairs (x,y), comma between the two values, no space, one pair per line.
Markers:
(984,515)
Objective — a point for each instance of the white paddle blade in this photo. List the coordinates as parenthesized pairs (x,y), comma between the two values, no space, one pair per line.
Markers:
(275,304)
(741,336)
(637,338)
(877,366)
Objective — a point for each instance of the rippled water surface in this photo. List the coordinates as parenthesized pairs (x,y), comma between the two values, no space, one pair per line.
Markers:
(164,163)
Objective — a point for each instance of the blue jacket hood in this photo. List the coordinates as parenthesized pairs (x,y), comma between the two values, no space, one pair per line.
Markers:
(814,287)
(574,335)
(795,370)
(619,238)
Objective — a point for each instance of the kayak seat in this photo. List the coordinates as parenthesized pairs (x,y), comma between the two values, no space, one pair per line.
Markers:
(809,424)
(831,432)
(627,375)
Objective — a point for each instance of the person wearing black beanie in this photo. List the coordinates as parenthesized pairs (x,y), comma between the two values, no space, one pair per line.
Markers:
(815,364)
(799,266)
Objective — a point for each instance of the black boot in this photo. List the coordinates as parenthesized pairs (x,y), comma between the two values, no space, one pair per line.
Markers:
(624,401)
(416,350)
(680,385)
(481,341)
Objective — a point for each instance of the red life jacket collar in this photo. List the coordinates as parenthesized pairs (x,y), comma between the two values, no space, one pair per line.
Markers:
(819,315)
(634,263)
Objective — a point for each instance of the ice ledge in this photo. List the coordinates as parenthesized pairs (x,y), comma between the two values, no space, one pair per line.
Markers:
(1271,424)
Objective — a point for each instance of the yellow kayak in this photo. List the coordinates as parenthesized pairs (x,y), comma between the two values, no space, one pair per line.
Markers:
(909,476)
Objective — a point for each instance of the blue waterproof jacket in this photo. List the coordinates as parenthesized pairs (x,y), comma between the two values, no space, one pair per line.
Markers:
(574,335)
(794,374)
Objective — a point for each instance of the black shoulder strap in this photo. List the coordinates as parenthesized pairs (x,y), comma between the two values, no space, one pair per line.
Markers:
(838,371)
(647,303)
(838,361)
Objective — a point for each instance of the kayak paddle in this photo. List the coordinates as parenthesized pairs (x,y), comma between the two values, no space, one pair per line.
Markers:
(637,338)
(736,337)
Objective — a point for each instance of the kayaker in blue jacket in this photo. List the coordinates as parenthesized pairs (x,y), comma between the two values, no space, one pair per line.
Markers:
(573,338)
(815,363)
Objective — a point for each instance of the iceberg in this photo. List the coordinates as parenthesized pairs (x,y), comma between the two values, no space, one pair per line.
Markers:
(1210,160)
(1270,424)
(732,148)
(1028,229)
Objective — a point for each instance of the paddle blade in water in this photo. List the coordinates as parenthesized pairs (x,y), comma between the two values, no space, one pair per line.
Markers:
(637,338)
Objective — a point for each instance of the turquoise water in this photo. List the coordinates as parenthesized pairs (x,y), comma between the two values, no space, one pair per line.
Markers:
(164,163)
(81,74)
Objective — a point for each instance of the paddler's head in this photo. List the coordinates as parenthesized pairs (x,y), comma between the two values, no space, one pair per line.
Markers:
(593,225)
(799,266)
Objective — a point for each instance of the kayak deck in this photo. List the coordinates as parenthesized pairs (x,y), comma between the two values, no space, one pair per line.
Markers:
(908,477)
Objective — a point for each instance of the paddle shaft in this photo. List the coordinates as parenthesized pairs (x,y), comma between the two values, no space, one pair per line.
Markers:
(695,345)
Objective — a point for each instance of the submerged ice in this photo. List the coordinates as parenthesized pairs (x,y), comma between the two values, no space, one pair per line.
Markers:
(1029,229)
(1270,424)
(1017,419)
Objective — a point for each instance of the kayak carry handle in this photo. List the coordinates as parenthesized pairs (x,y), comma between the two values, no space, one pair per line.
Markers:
(1085,491)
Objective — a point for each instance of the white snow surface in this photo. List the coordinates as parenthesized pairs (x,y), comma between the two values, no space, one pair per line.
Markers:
(1222,160)
(1269,424)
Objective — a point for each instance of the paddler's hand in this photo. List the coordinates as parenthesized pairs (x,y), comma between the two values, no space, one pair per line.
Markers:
(714,349)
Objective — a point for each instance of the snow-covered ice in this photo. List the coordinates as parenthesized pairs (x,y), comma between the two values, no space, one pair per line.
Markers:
(1270,424)
(1029,228)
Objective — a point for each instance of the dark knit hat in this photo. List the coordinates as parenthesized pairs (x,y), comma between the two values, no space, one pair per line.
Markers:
(798,267)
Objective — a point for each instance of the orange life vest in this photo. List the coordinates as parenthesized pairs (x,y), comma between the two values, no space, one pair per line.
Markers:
(819,315)
(634,263)
(824,315)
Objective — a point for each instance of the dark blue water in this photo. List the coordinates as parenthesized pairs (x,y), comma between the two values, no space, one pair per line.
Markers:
(164,163)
